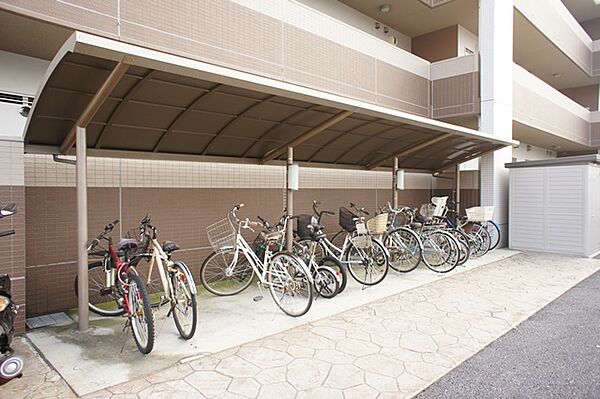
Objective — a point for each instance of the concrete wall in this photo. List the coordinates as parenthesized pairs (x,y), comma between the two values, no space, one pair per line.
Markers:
(341,12)
(436,46)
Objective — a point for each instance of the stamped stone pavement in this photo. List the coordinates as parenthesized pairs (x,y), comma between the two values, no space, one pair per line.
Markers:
(390,348)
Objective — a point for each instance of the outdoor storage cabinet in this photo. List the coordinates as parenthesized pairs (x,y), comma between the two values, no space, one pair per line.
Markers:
(554,205)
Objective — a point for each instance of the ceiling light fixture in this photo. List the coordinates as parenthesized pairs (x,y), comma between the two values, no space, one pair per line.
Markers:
(387,8)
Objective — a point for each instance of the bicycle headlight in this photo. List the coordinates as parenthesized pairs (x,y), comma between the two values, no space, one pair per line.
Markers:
(4,302)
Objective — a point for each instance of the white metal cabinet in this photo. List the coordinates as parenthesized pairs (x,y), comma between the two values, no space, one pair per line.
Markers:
(554,206)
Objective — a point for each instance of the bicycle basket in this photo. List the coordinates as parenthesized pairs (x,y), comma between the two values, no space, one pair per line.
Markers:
(221,235)
(362,241)
(143,242)
(378,224)
(302,224)
(427,210)
(480,213)
(402,219)
(347,220)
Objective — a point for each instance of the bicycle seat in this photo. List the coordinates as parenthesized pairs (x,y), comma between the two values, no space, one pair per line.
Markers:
(127,244)
(416,225)
(169,246)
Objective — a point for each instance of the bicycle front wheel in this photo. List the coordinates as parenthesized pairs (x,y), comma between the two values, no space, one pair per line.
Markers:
(289,284)
(221,277)
(494,232)
(368,265)
(440,251)
(405,249)
(141,316)
(185,312)
(104,301)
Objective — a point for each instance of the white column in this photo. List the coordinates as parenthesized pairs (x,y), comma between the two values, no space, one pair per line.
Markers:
(496,65)
(289,201)
(395,184)
(82,229)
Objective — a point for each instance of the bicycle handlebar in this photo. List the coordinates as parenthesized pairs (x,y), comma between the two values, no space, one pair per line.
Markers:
(320,213)
(107,229)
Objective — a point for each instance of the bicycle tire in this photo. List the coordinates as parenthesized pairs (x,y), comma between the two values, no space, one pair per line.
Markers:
(381,258)
(136,286)
(464,247)
(340,270)
(494,231)
(96,309)
(445,242)
(246,274)
(287,262)
(179,278)
(326,283)
(412,248)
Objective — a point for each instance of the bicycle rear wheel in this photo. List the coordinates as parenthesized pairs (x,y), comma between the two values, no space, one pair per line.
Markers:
(141,316)
(339,269)
(220,277)
(185,311)
(326,282)
(368,266)
(405,249)
(289,284)
(104,301)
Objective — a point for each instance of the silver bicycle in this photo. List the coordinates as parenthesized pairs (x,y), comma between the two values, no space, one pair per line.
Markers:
(230,269)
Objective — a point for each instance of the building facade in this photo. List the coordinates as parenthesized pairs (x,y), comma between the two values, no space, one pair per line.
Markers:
(517,70)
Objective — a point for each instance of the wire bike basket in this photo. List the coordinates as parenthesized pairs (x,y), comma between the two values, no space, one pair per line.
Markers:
(347,220)
(222,235)
(480,213)
(302,223)
(378,224)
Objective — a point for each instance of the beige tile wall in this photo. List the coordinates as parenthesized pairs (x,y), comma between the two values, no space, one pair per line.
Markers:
(12,248)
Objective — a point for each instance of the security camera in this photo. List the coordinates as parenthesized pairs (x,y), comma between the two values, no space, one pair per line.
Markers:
(24,111)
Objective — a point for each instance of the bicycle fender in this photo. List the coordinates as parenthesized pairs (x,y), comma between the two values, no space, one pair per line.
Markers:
(188,275)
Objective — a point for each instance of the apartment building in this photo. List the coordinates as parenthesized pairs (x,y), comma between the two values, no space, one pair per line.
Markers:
(186,108)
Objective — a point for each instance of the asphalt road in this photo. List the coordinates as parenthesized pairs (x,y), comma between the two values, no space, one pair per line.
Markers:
(553,354)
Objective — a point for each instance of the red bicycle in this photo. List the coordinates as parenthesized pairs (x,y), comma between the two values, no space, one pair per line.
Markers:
(115,288)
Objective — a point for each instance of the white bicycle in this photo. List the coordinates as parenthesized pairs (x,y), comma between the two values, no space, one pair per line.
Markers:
(231,268)
(175,286)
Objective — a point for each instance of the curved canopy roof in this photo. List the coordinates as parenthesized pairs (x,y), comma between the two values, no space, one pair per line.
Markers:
(165,104)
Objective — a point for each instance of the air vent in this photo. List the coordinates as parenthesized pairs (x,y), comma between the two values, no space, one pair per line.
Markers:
(18,99)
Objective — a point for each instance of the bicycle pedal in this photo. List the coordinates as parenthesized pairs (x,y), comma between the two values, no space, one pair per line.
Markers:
(257,298)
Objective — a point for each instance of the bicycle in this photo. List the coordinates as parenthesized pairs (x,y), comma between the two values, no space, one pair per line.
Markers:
(115,288)
(403,244)
(478,237)
(363,255)
(440,250)
(177,287)
(325,279)
(225,272)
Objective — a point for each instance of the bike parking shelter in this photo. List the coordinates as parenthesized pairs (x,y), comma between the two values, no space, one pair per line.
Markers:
(102,97)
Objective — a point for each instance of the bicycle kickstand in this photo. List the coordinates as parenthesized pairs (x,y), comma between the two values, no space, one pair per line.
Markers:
(260,296)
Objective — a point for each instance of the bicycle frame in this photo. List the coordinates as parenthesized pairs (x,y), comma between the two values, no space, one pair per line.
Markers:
(258,265)
(161,259)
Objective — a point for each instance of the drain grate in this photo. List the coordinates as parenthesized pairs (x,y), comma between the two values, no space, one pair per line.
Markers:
(48,320)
